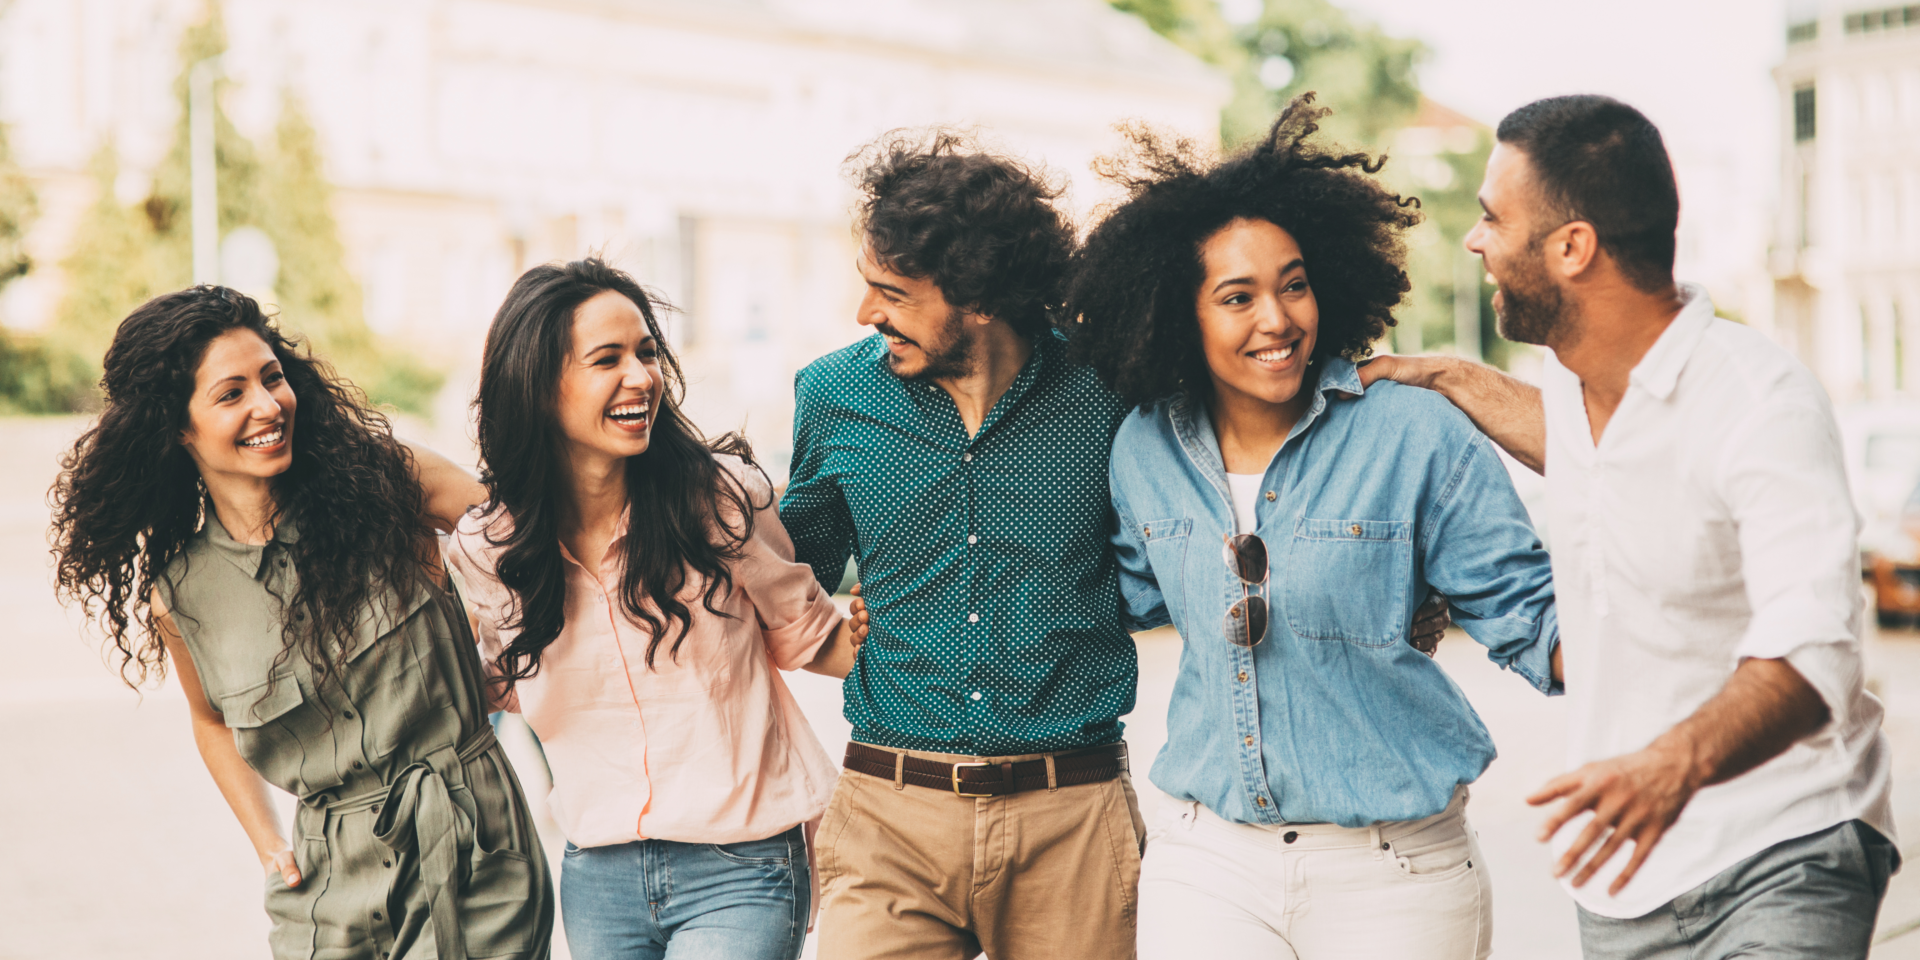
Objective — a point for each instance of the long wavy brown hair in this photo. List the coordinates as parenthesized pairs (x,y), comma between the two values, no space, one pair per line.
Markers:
(689,519)
(129,498)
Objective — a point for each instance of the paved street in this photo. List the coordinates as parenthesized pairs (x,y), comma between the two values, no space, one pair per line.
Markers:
(114,843)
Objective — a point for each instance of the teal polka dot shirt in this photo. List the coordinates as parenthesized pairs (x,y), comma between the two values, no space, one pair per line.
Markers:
(983,560)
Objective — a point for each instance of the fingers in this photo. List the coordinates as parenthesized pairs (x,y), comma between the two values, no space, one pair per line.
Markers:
(1554,789)
(856,590)
(1379,368)
(1591,834)
(1619,836)
(1642,846)
(283,864)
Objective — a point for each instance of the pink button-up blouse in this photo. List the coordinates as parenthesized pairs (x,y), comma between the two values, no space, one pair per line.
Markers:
(710,747)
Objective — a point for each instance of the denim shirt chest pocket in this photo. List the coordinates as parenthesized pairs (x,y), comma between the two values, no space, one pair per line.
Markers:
(1347,580)
(1166,543)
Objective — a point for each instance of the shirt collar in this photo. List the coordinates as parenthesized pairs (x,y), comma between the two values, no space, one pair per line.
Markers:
(248,557)
(1194,428)
(1659,370)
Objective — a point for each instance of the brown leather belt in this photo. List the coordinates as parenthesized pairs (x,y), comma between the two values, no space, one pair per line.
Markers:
(1092,765)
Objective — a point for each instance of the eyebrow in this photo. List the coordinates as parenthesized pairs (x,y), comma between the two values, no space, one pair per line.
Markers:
(214,388)
(617,346)
(1291,264)
(877,285)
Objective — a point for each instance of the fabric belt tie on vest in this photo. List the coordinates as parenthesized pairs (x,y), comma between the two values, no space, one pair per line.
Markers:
(418,814)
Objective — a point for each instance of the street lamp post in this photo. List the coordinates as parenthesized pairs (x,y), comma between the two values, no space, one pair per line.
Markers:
(201,160)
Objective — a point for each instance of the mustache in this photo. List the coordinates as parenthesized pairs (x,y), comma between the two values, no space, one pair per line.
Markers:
(887,328)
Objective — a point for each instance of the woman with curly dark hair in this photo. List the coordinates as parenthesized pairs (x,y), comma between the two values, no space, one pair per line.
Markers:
(1318,760)
(636,598)
(240,512)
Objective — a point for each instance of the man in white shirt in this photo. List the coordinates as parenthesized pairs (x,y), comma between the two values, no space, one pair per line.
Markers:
(1729,790)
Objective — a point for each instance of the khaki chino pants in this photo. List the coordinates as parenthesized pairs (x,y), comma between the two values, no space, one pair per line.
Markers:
(911,872)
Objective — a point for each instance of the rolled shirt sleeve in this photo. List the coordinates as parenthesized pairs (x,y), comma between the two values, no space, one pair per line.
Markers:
(1798,532)
(814,508)
(487,600)
(796,615)
(1480,550)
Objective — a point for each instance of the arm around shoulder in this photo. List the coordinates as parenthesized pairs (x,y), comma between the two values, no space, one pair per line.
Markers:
(1508,410)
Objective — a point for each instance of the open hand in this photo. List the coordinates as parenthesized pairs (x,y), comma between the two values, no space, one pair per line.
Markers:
(1633,797)
(1430,623)
(282,863)
(857,614)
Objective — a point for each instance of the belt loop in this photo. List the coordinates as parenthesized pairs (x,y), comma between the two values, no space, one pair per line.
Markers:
(900,771)
(1379,846)
(1053,781)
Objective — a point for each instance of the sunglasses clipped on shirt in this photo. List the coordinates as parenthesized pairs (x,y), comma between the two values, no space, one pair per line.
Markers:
(1246,619)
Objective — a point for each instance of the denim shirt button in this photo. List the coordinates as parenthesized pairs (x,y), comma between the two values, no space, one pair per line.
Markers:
(1355,529)
(1260,800)
(1249,740)
(1243,676)
(1270,496)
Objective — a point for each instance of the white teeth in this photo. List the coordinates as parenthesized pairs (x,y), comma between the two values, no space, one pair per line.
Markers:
(629,410)
(893,339)
(263,440)
(1275,355)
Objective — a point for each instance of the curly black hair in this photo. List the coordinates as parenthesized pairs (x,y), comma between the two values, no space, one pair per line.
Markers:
(129,498)
(1130,296)
(982,227)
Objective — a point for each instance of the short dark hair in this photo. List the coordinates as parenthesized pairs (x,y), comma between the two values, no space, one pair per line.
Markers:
(1130,304)
(982,227)
(1598,160)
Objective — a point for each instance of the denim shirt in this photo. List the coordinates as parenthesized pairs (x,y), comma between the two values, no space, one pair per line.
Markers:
(1370,503)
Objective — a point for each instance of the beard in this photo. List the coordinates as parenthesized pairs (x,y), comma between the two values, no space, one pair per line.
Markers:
(1532,308)
(949,353)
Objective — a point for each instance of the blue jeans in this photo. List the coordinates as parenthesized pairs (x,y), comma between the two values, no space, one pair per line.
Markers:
(1811,897)
(656,899)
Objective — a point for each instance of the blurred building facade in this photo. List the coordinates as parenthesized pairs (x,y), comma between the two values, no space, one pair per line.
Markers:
(1845,258)
(699,143)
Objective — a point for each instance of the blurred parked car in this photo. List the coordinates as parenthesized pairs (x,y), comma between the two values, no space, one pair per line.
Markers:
(1882,448)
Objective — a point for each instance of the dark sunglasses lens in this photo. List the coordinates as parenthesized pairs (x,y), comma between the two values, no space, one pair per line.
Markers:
(1249,557)
(1246,622)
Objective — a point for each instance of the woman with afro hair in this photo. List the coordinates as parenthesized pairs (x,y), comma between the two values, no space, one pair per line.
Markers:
(1287,520)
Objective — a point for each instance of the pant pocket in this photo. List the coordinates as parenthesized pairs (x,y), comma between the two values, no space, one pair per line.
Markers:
(502,905)
(1439,852)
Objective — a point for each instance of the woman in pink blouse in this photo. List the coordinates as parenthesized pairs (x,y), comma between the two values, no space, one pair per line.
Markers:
(636,598)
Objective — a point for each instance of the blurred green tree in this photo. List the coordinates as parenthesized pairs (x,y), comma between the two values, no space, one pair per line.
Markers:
(237,167)
(318,296)
(35,376)
(1274,50)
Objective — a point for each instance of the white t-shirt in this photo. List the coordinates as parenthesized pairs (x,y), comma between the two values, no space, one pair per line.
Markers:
(1246,491)
(1711,523)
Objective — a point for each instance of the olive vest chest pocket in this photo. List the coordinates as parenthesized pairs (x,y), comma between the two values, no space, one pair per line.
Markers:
(1348,580)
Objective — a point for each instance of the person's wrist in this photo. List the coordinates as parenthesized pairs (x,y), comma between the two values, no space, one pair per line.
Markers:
(1683,759)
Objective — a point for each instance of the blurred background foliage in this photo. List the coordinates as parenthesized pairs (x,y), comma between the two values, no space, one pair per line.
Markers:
(124,254)
(1271,50)
(1274,50)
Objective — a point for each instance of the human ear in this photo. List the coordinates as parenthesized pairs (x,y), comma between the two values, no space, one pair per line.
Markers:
(1572,248)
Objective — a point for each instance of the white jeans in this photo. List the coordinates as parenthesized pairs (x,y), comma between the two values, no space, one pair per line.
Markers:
(1413,890)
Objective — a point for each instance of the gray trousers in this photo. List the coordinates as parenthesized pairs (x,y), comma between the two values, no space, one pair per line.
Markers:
(1811,897)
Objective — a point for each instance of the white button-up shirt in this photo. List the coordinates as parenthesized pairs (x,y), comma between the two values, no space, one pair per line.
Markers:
(1711,524)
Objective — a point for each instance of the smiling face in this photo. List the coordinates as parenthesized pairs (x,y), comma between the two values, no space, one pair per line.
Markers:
(1258,318)
(927,338)
(240,417)
(1529,304)
(610,383)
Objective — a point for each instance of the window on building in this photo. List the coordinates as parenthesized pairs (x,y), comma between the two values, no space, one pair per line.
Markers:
(1803,117)
(1803,32)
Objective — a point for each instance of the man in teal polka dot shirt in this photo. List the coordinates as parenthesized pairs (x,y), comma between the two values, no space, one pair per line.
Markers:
(964,462)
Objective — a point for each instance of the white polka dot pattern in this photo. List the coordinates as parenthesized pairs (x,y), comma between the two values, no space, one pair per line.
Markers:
(984,560)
